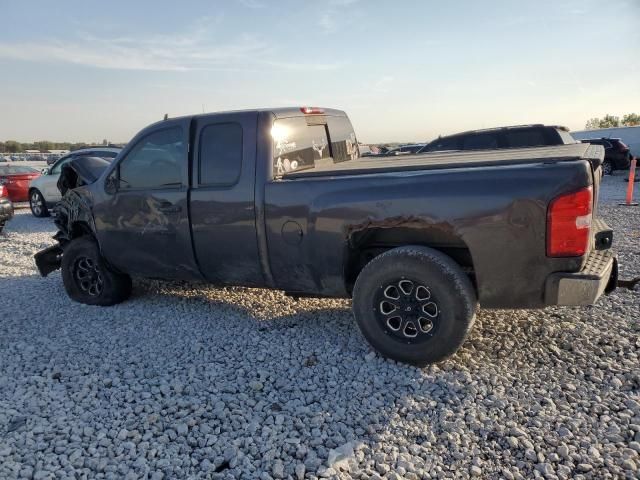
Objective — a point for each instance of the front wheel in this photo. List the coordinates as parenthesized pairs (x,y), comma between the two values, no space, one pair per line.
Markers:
(414,305)
(88,279)
(37,204)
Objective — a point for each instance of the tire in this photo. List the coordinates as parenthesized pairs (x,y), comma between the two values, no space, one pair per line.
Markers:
(607,167)
(1,226)
(435,297)
(88,279)
(37,204)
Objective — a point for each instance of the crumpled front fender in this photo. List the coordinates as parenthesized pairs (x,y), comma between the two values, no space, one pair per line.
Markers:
(73,218)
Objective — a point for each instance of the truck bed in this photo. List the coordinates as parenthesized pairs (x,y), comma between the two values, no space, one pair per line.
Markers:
(457,159)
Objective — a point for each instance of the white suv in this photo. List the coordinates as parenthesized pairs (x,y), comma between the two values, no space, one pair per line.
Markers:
(43,191)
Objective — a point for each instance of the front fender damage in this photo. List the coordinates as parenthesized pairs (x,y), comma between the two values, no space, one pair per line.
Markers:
(72,217)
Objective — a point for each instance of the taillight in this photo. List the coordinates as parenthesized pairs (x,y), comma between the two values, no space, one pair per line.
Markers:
(569,224)
(311,110)
(3,191)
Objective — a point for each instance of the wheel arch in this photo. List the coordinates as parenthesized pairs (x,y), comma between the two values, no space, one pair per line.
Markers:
(367,244)
(80,228)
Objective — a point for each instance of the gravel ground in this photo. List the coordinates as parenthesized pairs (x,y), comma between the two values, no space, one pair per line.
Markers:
(192,381)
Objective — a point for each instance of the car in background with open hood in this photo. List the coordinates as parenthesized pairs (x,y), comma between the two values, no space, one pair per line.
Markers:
(44,193)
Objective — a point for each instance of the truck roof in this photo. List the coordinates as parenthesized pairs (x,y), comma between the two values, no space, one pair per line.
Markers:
(458,159)
(279,112)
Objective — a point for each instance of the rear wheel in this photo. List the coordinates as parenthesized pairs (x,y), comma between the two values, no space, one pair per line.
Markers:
(414,304)
(88,279)
(37,204)
(607,167)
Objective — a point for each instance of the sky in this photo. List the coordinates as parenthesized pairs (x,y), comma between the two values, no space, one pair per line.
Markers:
(404,70)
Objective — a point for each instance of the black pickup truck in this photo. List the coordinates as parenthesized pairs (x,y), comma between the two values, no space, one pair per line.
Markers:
(279,198)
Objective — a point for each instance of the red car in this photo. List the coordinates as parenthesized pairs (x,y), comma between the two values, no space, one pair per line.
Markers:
(16,180)
(6,207)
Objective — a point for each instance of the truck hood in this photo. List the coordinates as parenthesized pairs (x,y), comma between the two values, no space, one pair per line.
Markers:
(81,171)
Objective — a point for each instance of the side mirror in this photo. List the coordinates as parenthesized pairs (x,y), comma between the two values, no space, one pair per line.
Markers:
(111,184)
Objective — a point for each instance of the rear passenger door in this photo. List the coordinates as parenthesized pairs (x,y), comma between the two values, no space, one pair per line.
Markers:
(222,200)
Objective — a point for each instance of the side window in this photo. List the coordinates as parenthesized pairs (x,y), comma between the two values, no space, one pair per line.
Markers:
(525,138)
(155,161)
(220,156)
(483,141)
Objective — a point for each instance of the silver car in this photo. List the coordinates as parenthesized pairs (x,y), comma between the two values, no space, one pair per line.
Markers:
(43,191)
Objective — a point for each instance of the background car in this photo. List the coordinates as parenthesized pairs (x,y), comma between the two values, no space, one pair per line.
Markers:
(43,191)
(406,149)
(6,207)
(617,155)
(16,179)
(518,136)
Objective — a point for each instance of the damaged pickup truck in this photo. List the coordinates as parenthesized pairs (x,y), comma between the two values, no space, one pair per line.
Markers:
(279,199)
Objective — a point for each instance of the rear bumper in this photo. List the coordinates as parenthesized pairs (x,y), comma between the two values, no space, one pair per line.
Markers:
(599,275)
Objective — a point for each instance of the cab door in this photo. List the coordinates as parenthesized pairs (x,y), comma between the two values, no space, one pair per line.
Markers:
(222,205)
(143,220)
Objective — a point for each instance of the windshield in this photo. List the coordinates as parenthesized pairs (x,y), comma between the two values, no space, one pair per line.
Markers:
(301,143)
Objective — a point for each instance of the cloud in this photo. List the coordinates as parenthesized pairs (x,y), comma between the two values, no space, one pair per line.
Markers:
(126,54)
(251,3)
(329,20)
(195,50)
(342,3)
(382,84)
(317,67)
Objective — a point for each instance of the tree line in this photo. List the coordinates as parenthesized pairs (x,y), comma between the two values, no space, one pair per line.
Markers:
(611,121)
(11,146)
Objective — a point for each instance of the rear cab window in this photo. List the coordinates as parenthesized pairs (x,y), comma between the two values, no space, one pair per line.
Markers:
(305,142)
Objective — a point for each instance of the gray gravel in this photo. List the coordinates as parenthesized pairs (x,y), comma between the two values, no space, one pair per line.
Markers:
(193,381)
